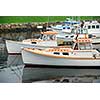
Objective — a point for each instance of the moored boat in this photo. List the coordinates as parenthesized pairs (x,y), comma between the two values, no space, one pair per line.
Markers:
(81,54)
(93,28)
(47,39)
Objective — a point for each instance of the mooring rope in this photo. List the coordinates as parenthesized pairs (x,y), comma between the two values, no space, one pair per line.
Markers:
(13,69)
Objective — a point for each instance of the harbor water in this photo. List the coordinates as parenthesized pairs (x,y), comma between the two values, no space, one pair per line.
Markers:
(12,70)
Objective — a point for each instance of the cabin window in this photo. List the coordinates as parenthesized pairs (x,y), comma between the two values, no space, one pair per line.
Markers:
(57,53)
(85,31)
(85,46)
(68,43)
(82,46)
(66,36)
(88,46)
(52,37)
(33,42)
(68,27)
(89,27)
(45,37)
(65,53)
(97,26)
(72,36)
(93,26)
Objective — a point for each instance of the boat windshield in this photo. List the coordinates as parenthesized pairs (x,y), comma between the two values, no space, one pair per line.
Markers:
(85,46)
(80,31)
(48,37)
(68,43)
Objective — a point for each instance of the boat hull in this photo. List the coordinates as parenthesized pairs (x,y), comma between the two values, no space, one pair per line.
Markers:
(38,60)
(14,48)
(60,67)
(94,32)
(96,43)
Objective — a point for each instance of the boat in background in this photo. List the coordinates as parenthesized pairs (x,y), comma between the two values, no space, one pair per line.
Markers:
(81,55)
(46,39)
(66,26)
(62,28)
(64,39)
(93,28)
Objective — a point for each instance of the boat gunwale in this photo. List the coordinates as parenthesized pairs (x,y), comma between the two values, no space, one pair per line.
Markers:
(56,56)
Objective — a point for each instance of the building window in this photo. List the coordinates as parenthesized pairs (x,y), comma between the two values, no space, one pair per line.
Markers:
(57,53)
(65,53)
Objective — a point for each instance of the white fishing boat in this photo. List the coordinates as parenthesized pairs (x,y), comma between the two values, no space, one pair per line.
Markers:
(93,28)
(63,38)
(47,39)
(81,54)
(84,31)
(66,26)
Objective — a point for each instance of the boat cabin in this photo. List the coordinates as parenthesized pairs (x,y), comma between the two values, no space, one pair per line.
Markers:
(44,37)
(48,35)
(59,50)
(93,28)
(93,25)
(79,31)
(81,48)
(83,44)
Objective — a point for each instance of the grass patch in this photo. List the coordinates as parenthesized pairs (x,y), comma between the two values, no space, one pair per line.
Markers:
(25,19)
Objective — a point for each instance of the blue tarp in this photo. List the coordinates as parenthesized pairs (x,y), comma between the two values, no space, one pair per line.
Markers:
(62,27)
(71,22)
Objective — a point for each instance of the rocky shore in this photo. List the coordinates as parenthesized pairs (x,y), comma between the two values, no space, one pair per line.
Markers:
(20,31)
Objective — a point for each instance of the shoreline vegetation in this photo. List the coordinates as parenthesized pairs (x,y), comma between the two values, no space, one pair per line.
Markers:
(21,27)
(28,19)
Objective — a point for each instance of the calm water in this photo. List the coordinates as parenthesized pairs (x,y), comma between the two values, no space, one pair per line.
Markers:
(12,71)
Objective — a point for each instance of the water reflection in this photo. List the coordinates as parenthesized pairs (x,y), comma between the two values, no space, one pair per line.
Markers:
(13,60)
(36,74)
(12,71)
(12,74)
